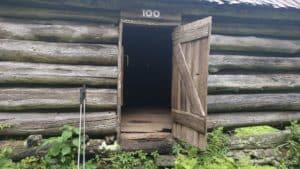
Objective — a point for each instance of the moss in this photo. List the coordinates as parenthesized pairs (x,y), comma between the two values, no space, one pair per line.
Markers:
(256,130)
(4,126)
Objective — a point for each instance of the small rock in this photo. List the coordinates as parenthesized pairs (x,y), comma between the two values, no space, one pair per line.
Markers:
(110,139)
(33,140)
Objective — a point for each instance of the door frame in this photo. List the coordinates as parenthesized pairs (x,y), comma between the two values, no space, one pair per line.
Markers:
(120,84)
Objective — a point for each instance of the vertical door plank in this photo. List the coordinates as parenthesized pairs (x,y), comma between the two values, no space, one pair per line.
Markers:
(190,57)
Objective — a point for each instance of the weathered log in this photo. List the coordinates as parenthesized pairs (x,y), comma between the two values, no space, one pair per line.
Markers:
(242,13)
(225,63)
(58,4)
(231,120)
(161,146)
(167,18)
(102,16)
(259,30)
(269,140)
(253,83)
(52,74)
(24,124)
(59,33)
(62,53)
(253,102)
(254,44)
(21,99)
(20,150)
(150,142)
(94,147)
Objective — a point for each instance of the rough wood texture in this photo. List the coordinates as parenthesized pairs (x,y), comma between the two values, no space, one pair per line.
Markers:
(191,47)
(62,53)
(258,29)
(163,146)
(190,120)
(269,140)
(253,83)
(254,13)
(59,33)
(146,120)
(231,120)
(253,102)
(21,99)
(166,18)
(52,74)
(188,8)
(254,45)
(46,13)
(21,150)
(224,63)
(24,124)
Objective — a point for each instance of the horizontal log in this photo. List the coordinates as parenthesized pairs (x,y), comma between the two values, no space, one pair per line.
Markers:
(244,13)
(52,74)
(46,13)
(223,63)
(48,124)
(253,83)
(57,4)
(163,146)
(259,30)
(253,102)
(221,43)
(59,33)
(25,99)
(62,53)
(94,147)
(269,140)
(243,119)
(20,150)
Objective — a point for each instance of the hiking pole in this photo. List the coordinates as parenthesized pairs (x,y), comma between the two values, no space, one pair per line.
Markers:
(82,111)
(84,126)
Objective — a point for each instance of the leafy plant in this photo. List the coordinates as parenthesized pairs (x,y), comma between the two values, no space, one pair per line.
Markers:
(29,163)
(189,157)
(292,148)
(62,150)
(130,160)
(5,162)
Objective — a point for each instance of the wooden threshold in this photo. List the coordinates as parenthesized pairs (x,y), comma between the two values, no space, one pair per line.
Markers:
(147,129)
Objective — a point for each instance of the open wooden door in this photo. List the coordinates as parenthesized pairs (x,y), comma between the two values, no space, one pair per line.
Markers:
(191,45)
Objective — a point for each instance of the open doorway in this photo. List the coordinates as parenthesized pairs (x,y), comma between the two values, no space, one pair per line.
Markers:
(146,111)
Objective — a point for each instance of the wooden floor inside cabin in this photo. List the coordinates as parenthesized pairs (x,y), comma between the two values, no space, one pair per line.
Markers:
(146,128)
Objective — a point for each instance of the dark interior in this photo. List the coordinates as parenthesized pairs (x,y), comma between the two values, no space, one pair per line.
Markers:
(147,66)
(147,84)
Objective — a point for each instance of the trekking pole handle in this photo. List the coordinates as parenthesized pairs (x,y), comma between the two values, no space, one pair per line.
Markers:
(82,93)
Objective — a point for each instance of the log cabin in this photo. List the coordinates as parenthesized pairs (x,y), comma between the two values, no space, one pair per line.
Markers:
(155,70)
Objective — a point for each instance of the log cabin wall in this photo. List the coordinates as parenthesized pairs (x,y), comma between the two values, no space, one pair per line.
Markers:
(46,53)
(254,66)
(48,48)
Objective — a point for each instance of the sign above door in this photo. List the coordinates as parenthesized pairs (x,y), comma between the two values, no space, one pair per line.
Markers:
(145,16)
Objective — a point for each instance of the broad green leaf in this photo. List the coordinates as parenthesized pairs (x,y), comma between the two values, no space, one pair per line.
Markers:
(66,135)
(54,151)
(66,150)
(75,142)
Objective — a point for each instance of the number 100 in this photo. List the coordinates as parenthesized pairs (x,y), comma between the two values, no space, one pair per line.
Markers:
(151,13)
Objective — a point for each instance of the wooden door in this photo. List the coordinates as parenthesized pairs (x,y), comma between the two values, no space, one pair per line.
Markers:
(191,45)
